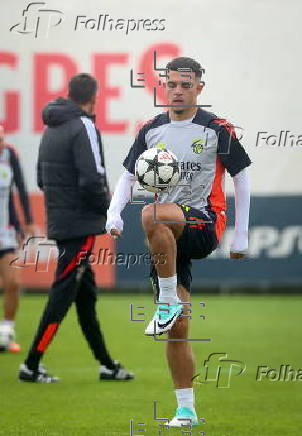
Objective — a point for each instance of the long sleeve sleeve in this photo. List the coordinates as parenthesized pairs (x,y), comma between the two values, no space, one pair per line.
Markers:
(20,185)
(242,208)
(91,172)
(120,198)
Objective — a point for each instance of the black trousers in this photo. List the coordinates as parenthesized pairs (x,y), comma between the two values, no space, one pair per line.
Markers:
(74,282)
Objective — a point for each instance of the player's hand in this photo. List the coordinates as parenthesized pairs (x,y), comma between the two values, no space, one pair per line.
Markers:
(115,233)
(114,225)
(234,255)
(239,245)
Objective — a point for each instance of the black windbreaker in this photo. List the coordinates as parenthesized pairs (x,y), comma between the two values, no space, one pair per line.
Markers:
(71,172)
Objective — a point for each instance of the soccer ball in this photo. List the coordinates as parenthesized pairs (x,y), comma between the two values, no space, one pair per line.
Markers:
(157,169)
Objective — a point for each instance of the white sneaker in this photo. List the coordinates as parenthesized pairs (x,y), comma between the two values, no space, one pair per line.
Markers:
(185,417)
(7,337)
(118,373)
(164,319)
(39,376)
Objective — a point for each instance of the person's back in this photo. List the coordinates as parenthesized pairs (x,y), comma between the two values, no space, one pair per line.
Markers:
(72,175)
(71,172)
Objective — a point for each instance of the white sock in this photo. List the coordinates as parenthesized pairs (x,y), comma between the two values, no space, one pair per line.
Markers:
(8,323)
(185,397)
(168,290)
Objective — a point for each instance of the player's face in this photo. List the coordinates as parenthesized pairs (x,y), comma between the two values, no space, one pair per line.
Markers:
(182,88)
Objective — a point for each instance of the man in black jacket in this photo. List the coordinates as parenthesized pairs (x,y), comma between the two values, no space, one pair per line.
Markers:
(72,175)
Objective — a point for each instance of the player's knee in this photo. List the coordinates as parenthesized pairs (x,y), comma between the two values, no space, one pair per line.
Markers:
(149,219)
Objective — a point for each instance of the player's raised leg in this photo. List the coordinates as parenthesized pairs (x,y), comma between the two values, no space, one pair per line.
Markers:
(10,281)
(163,224)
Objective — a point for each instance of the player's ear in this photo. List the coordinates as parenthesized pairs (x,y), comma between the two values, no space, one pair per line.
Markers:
(93,99)
(200,87)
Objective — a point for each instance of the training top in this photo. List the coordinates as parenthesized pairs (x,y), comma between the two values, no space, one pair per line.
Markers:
(205,146)
(11,176)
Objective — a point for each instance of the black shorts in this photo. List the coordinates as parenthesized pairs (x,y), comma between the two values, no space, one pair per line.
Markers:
(198,239)
(6,251)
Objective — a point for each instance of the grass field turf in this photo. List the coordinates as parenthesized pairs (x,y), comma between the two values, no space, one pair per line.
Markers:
(256,330)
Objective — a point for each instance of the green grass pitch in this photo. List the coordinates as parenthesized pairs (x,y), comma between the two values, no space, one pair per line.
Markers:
(260,330)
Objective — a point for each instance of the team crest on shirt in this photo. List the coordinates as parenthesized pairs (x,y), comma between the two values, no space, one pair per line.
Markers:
(3,173)
(161,146)
(197,145)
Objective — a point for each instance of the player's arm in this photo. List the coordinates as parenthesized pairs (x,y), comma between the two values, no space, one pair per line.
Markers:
(120,198)
(39,171)
(22,191)
(239,245)
(92,182)
(236,160)
(124,187)
(14,220)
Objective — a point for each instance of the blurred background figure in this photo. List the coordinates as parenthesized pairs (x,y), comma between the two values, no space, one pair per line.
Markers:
(71,173)
(11,236)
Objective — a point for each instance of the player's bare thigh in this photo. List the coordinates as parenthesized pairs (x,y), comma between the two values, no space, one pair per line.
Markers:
(169,214)
(8,272)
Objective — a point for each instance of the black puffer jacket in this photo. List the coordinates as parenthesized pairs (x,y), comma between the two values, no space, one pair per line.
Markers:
(71,172)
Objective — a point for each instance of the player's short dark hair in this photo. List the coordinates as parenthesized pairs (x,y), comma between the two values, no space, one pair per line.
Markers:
(183,62)
(81,88)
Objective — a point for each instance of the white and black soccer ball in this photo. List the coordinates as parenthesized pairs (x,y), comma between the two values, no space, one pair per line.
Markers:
(157,169)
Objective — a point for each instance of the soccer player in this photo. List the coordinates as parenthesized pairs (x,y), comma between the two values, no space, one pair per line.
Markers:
(71,173)
(11,235)
(189,220)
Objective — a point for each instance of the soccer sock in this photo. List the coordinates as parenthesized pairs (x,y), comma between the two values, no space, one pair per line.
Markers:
(8,323)
(168,290)
(185,397)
